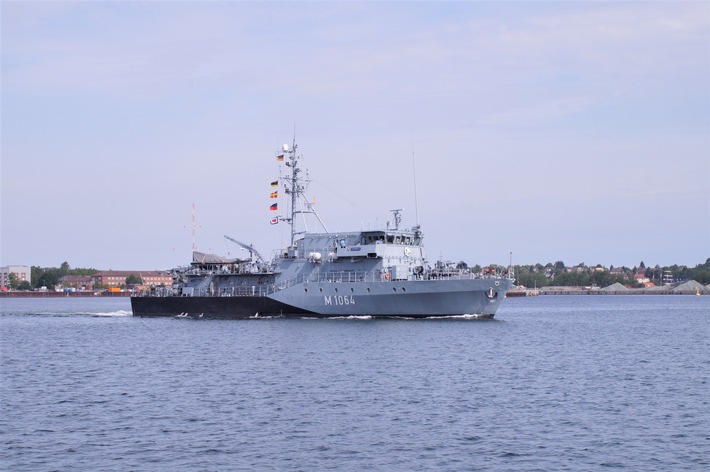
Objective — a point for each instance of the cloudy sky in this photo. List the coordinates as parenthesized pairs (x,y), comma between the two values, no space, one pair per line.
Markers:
(573,131)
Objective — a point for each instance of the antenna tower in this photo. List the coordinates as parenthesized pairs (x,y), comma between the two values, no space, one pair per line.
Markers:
(297,190)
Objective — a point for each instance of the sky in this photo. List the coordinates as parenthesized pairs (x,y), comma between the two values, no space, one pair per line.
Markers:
(555,131)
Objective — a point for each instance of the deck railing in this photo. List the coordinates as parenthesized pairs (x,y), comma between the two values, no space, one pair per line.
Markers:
(263,290)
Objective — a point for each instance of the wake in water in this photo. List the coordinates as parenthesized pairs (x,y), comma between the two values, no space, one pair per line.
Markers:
(388,317)
(350,317)
(119,313)
(111,313)
(65,307)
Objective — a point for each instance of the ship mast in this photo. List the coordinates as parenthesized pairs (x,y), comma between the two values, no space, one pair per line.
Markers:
(297,190)
(295,185)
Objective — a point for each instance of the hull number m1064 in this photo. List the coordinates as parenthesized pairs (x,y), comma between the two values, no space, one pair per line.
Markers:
(339,300)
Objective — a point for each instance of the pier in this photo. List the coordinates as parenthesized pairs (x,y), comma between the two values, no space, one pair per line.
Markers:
(525,292)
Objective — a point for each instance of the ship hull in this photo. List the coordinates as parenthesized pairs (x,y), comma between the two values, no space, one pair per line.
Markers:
(211,307)
(419,299)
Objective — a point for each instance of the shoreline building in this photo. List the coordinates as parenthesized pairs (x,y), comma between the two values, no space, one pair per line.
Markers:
(79,282)
(23,273)
(117,278)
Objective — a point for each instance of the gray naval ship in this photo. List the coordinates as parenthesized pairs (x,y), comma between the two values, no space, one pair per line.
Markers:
(376,273)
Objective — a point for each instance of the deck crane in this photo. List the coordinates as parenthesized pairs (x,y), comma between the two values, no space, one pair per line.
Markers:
(252,250)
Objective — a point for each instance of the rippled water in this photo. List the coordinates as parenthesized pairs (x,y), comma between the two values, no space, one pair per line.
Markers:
(553,383)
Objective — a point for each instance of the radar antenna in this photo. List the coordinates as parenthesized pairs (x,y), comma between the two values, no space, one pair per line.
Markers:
(397,217)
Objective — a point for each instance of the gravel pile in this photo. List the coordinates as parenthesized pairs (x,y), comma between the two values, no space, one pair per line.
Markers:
(614,288)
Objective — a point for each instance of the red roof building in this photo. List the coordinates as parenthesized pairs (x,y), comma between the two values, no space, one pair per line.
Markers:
(81,282)
(117,278)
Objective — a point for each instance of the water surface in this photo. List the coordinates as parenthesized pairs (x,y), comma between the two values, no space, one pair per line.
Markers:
(553,383)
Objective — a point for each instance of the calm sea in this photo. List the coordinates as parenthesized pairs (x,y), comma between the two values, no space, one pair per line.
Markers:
(553,383)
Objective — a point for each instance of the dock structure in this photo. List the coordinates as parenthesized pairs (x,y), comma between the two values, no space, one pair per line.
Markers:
(628,291)
(522,292)
(687,288)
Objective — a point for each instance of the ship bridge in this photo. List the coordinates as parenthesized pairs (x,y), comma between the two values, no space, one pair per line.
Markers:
(403,246)
(397,237)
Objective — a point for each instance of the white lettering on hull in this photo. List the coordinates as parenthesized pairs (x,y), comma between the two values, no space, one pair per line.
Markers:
(338,300)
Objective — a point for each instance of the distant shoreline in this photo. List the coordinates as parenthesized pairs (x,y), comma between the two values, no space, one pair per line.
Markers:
(621,292)
(51,294)
(510,294)
(578,291)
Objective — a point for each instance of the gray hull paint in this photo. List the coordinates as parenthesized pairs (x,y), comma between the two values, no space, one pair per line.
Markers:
(405,298)
(429,298)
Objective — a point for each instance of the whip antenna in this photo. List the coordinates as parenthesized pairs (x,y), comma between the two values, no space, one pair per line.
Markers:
(414,177)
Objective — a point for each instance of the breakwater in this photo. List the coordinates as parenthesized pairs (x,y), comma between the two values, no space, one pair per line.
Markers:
(566,291)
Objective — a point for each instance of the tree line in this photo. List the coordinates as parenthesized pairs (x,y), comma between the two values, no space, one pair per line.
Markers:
(49,276)
(536,275)
(557,274)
